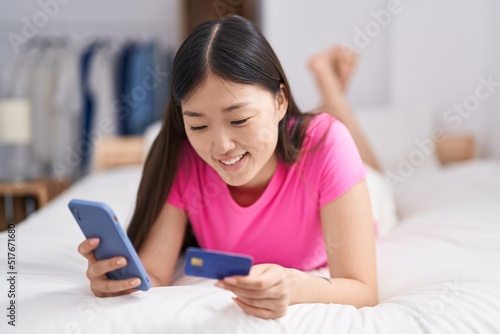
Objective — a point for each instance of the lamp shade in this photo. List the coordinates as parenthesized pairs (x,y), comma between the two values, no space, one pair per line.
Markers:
(15,121)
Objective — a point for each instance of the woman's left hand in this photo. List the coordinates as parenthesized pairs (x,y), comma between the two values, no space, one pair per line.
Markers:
(265,293)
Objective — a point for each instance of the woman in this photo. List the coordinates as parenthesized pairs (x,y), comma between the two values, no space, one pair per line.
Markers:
(253,175)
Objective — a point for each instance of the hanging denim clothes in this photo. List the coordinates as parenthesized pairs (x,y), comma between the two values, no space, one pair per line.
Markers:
(88,105)
(122,77)
(140,89)
(164,61)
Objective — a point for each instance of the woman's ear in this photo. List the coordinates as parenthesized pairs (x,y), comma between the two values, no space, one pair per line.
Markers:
(281,102)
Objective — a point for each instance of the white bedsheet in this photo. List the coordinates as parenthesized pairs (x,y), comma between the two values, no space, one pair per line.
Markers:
(439,271)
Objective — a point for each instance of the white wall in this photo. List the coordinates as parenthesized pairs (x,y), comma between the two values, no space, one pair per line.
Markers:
(493,121)
(298,29)
(430,53)
(441,49)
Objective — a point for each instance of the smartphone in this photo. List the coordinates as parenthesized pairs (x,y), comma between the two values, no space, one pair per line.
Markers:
(214,264)
(97,220)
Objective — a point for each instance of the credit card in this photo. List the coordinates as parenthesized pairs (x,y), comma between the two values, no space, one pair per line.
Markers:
(214,264)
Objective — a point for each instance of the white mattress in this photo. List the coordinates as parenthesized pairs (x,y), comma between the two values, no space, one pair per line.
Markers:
(439,271)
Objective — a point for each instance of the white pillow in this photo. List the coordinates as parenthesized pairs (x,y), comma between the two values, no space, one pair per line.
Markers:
(150,135)
(382,200)
(402,140)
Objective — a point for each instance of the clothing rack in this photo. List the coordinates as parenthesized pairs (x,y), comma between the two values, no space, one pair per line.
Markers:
(149,24)
(95,68)
(160,30)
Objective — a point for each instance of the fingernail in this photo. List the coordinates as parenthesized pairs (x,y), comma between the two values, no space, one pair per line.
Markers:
(135,282)
(219,284)
(94,241)
(230,280)
(121,262)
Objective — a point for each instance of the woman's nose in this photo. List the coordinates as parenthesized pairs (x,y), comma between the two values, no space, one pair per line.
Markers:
(222,141)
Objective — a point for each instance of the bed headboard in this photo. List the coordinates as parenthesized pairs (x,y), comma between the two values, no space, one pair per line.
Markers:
(113,152)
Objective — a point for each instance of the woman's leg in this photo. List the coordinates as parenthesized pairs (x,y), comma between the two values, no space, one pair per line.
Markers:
(333,70)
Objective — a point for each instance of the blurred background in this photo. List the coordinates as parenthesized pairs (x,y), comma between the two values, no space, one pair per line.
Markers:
(73,71)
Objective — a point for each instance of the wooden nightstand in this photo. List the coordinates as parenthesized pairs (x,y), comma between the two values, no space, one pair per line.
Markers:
(112,152)
(456,148)
(42,191)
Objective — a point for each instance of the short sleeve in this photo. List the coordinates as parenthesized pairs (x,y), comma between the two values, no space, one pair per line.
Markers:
(342,166)
(175,196)
(180,184)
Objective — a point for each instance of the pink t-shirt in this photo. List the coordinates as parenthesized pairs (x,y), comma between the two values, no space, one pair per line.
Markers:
(283,226)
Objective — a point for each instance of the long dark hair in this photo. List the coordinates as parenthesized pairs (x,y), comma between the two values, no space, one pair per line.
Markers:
(233,49)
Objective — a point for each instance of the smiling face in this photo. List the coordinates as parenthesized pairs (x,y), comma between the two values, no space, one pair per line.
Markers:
(234,128)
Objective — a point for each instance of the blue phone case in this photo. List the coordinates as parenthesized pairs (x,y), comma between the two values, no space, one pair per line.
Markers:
(211,264)
(97,220)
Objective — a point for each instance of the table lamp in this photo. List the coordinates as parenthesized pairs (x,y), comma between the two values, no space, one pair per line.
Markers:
(15,132)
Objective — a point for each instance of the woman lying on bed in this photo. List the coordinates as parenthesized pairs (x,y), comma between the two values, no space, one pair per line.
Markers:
(255,176)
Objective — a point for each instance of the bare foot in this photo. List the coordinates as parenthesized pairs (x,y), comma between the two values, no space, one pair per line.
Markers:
(344,61)
(339,60)
(332,71)
(321,65)
(319,61)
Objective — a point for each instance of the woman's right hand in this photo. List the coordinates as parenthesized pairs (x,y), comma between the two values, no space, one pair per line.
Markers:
(100,284)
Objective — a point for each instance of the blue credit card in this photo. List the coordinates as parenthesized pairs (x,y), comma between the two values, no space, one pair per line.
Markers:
(212,264)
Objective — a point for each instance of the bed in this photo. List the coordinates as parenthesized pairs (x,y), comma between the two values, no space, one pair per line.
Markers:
(438,268)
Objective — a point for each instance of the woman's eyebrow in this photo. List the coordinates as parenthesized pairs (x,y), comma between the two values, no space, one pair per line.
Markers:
(226,109)
(192,113)
(235,106)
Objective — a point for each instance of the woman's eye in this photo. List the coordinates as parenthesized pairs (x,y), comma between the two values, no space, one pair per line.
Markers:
(240,122)
(197,128)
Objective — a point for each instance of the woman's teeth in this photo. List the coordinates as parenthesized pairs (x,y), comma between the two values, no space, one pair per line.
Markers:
(233,160)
